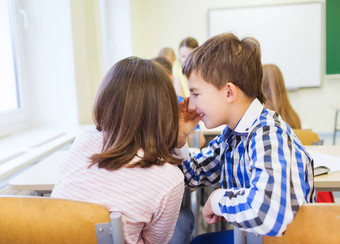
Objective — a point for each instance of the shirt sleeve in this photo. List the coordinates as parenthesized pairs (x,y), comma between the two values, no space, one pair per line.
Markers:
(161,227)
(203,168)
(275,193)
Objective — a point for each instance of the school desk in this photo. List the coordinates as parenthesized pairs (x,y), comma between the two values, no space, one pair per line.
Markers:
(42,176)
(330,181)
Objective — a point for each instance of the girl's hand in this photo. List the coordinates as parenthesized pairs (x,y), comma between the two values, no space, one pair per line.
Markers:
(188,120)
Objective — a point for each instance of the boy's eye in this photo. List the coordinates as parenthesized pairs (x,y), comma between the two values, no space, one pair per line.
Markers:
(195,94)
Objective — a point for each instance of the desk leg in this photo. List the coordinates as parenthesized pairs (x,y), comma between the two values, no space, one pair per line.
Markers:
(335,125)
(195,203)
(38,194)
(242,237)
(41,193)
(239,236)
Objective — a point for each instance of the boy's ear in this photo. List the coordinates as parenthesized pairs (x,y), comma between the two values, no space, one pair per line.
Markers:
(231,92)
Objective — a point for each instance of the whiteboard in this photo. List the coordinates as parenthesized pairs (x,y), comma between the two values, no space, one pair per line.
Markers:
(291,36)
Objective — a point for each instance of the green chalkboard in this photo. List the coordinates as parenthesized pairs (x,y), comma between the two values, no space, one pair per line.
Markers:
(332,37)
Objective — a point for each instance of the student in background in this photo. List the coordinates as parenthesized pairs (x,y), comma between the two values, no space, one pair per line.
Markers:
(257,154)
(127,162)
(277,100)
(185,47)
(167,66)
(274,89)
(169,54)
(164,62)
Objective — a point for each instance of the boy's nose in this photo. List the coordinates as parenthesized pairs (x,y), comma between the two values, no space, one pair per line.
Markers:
(191,105)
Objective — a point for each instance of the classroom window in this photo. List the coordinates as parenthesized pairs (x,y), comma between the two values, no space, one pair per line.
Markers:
(9,98)
(11,111)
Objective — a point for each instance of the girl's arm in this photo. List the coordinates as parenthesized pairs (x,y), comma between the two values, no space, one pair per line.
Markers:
(162,226)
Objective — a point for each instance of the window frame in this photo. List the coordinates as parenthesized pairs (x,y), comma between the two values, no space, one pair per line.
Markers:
(15,120)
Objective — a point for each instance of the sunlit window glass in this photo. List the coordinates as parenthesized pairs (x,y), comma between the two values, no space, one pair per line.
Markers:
(9,98)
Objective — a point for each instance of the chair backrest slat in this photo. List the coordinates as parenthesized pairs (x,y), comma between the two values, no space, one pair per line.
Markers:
(307,137)
(47,220)
(314,223)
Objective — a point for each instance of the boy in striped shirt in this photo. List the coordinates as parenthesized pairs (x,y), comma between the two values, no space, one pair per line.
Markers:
(264,171)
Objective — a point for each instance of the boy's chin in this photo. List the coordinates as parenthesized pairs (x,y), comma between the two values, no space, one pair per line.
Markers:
(211,125)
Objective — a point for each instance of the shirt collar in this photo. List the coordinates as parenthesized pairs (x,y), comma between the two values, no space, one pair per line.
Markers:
(253,112)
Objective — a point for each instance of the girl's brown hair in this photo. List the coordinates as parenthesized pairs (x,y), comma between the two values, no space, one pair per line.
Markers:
(164,63)
(225,58)
(277,99)
(136,108)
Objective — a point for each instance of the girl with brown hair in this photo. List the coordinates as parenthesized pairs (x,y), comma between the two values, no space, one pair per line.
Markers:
(127,162)
(277,98)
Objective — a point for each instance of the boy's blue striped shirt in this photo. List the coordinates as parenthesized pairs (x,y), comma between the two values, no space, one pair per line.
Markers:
(264,170)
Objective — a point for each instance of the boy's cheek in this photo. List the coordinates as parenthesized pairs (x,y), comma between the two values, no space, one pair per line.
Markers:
(191,104)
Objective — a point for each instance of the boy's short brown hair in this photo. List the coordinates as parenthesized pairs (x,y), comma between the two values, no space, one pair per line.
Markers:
(225,58)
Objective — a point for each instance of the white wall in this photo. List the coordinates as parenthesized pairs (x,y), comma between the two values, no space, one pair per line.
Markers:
(116,31)
(160,23)
(315,105)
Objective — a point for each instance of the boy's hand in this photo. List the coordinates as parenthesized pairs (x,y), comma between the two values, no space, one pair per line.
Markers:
(188,120)
(208,213)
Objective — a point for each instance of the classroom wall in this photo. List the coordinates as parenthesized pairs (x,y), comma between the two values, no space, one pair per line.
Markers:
(88,55)
(154,24)
(159,23)
(315,105)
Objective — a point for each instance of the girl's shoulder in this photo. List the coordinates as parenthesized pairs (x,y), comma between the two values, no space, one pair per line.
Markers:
(173,169)
(89,140)
(168,175)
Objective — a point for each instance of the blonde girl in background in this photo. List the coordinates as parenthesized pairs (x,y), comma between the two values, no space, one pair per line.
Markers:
(274,89)
(185,47)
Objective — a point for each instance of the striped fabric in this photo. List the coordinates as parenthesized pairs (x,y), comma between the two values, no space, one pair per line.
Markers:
(149,199)
(264,171)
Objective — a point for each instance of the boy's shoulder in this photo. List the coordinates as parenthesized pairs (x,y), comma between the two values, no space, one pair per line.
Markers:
(269,119)
(271,124)
(255,118)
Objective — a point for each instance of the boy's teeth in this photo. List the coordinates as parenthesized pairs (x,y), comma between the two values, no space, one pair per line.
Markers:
(201,115)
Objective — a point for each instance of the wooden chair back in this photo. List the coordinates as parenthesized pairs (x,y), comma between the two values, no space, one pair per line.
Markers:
(314,223)
(47,220)
(307,137)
